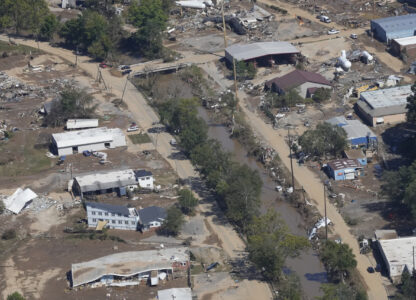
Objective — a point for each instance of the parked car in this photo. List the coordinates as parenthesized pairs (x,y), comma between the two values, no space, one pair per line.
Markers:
(279,188)
(126,72)
(173,142)
(333,31)
(370,270)
(124,67)
(354,36)
(325,19)
(133,127)
(103,65)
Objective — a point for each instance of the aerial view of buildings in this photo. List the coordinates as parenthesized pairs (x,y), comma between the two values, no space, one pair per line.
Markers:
(198,149)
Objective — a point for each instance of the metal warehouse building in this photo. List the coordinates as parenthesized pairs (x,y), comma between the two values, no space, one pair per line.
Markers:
(358,134)
(386,29)
(95,139)
(265,53)
(384,106)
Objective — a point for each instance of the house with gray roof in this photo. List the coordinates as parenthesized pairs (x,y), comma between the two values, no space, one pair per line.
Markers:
(151,217)
(384,106)
(265,53)
(387,29)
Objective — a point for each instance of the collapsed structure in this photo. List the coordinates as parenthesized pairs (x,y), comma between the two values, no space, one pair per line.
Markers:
(262,53)
(95,139)
(130,268)
(305,83)
(20,198)
(384,106)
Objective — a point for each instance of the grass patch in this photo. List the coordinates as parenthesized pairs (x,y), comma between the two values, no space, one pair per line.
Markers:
(18,49)
(196,269)
(21,158)
(141,138)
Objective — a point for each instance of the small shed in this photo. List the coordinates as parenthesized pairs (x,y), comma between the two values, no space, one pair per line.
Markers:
(344,169)
(357,154)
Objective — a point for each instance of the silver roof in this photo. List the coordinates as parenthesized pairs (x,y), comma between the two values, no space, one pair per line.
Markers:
(397,23)
(250,51)
(127,264)
(106,180)
(398,252)
(387,97)
(356,129)
(86,136)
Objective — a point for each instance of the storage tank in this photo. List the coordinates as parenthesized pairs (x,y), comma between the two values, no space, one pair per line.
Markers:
(343,61)
(367,57)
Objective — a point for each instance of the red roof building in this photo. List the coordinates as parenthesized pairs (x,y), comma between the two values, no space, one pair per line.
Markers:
(306,83)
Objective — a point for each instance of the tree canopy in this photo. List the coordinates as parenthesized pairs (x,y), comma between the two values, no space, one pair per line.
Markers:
(187,201)
(324,139)
(150,18)
(173,222)
(15,296)
(270,243)
(411,106)
(73,103)
(337,258)
(341,291)
(322,95)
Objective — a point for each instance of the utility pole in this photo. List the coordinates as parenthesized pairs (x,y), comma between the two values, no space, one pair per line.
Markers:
(326,218)
(235,80)
(124,89)
(290,155)
(76,56)
(223,24)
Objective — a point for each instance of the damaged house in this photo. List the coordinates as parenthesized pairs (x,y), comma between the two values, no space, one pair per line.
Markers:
(131,268)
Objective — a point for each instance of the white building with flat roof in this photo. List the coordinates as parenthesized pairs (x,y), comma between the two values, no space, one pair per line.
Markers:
(81,123)
(95,139)
(398,254)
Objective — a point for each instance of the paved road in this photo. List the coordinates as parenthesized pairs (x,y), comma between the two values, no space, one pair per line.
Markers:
(144,115)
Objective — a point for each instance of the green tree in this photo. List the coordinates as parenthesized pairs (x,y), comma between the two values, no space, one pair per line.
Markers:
(15,296)
(270,244)
(187,201)
(324,139)
(73,103)
(194,134)
(2,206)
(245,71)
(407,287)
(48,27)
(337,292)
(99,49)
(72,32)
(411,106)
(174,221)
(322,95)
(242,195)
(150,19)
(337,258)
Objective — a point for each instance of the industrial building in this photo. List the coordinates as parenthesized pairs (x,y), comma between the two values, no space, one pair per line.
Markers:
(95,139)
(358,134)
(398,254)
(112,216)
(386,106)
(130,268)
(81,123)
(262,53)
(305,83)
(405,47)
(387,29)
(105,182)
(344,169)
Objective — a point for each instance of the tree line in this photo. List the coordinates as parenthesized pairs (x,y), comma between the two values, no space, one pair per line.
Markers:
(237,188)
(97,31)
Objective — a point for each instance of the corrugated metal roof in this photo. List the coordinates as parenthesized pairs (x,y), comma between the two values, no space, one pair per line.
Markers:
(86,136)
(355,129)
(339,120)
(127,264)
(116,209)
(387,97)
(81,123)
(106,180)
(19,199)
(341,164)
(397,23)
(296,78)
(411,40)
(152,213)
(255,50)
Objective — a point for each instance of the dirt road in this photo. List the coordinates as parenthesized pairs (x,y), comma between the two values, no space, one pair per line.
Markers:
(314,188)
(144,115)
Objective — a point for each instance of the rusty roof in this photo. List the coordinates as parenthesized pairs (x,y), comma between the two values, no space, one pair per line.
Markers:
(296,78)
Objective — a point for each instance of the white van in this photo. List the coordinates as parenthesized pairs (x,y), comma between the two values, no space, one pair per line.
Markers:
(325,19)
